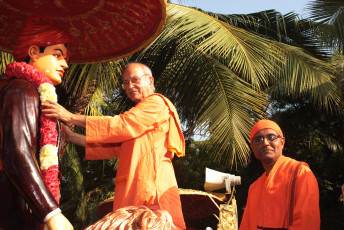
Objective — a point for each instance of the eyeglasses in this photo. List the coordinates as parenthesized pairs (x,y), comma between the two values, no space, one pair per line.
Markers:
(135,80)
(260,139)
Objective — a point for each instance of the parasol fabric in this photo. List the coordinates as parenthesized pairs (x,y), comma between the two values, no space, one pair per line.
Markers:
(101,30)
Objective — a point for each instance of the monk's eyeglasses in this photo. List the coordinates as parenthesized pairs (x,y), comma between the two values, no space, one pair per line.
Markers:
(134,80)
(260,139)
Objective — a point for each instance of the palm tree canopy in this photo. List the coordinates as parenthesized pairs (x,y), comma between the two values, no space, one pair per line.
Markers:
(330,13)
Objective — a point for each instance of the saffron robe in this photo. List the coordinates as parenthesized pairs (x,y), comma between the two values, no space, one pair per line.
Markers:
(144,139)
(268,201)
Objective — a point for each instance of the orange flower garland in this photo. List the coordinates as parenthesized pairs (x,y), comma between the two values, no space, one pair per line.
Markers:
(48,131)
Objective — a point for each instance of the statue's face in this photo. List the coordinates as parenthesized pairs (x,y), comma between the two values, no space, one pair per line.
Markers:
(52,62)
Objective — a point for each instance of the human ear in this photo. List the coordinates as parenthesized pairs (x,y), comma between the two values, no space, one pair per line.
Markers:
(33,52)
(151,80)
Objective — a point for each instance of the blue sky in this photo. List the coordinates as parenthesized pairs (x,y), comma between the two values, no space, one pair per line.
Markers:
(248,6)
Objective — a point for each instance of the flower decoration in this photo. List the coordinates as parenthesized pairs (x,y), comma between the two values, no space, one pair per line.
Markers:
(48,132)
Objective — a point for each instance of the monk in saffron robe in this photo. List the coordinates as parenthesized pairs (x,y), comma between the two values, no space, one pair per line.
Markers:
(286,196)
(145,139)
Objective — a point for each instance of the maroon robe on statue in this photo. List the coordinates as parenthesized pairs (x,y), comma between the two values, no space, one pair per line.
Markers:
(25,200)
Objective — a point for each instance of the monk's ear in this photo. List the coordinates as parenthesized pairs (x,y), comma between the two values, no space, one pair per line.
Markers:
(151,81)
(33,52)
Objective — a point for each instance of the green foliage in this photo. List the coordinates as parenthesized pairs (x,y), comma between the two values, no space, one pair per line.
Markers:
(84,185)
(288,28)
(190,174)
(190,170)
(6,58)
(330,15)
(72,187)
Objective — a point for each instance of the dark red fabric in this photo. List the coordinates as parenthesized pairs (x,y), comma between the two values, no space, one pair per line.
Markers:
(39,31)
(23,192)
(99,30)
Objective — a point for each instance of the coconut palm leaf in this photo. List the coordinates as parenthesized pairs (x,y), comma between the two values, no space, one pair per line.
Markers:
(330,13)
(305,76)
(6,58)
(245,53)
(73,202)
(89,80)
(288,28)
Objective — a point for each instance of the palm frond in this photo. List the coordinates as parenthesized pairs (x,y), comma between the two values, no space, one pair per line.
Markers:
(6,58)
(245,53)
(108,83)
(91,82)
(74,204)
(288,28)
(330,13)
(305,76)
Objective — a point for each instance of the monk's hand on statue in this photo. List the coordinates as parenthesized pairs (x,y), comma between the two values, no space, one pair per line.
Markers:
(53,109)
(66,132)
(59,222)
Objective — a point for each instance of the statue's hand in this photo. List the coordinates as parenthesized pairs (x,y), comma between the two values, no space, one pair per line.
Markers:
(59,222)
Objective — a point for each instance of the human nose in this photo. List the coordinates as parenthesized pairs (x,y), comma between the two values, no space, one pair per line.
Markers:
(126,85)
(64,64)
(130,84)
(266,141)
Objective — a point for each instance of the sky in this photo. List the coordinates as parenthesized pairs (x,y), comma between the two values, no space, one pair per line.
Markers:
(248,6)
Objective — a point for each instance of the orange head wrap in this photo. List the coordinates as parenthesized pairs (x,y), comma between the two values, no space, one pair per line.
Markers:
(265,124)
(39,31)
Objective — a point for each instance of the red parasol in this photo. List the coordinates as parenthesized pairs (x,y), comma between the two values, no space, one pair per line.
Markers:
(101,30)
